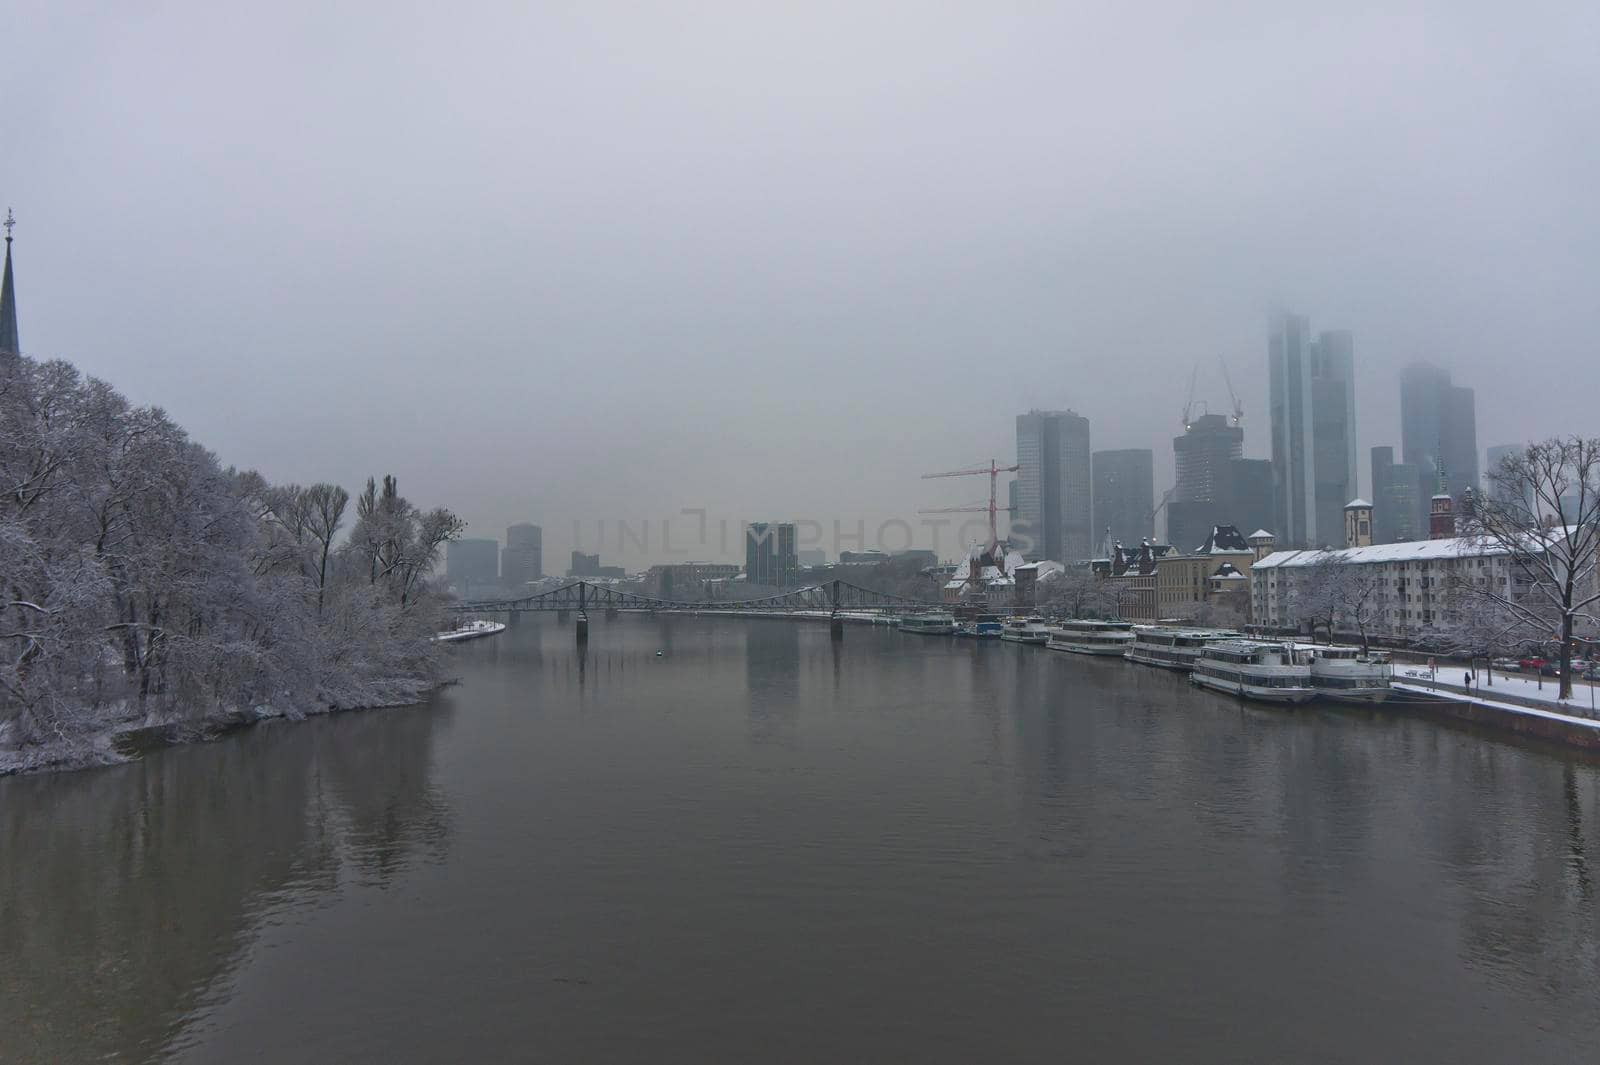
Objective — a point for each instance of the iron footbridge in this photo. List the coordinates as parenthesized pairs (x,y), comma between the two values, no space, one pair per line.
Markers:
(828,599)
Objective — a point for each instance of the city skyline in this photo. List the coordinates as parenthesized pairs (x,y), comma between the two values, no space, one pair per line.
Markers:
(500,286)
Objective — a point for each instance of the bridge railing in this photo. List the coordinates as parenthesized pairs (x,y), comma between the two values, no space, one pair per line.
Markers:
(831,596)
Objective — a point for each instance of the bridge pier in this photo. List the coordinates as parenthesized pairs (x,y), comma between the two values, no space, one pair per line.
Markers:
(512,618)
(562,616)
(835,627)
(583,628)
(611,613)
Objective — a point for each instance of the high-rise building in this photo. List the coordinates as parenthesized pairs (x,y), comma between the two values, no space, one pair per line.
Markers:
(522,559)
(1054,492)
(9,345)
(1123,497)
(769,554)
(1438,431)
(1497,455)
(1396,489)
(1203,454)
(472,563)
(1248,500)
(1312,383)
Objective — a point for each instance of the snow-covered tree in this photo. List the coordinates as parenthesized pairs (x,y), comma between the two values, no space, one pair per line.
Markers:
(1543,511)
(140,582)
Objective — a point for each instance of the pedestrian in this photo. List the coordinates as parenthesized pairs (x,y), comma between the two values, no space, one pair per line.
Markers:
(1466,679)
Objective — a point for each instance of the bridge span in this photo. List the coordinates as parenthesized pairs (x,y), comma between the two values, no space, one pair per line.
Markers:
(830,599)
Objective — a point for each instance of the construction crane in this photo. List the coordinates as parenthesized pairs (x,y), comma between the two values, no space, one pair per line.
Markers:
(1238,408)
(994,470)
(1188,408)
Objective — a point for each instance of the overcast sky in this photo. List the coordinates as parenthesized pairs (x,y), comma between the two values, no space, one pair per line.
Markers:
(584,261)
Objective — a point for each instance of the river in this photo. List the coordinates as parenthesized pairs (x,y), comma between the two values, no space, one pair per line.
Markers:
(761,846)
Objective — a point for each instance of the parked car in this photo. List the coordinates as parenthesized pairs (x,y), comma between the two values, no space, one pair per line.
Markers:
(1531,665)
(1592,673)
(1507,665)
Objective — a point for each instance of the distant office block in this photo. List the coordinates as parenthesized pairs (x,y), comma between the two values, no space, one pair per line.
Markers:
(769,554)
(1123,497)
(522,559)
(1312,398)
(1054,489)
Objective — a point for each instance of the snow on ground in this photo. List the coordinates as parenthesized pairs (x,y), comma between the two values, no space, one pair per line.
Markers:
(1517,684)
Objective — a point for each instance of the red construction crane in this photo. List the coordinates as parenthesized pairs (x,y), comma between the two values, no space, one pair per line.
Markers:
(994,470)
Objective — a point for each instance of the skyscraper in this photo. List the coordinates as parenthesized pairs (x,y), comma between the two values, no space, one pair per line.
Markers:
(1313,405)
(769,554)
(1124,497)
(1204,454)
(1397,494)
(522,559)
(1438,429)
(1247,500)
(1054,493)
(1502,493)
(9,345)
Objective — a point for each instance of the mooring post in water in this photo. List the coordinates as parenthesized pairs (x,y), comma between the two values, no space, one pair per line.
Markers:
(836,627)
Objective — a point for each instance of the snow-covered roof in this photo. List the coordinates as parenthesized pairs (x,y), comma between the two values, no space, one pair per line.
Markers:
(988,575)
(1358,502)
(1260,533)
(1410,551)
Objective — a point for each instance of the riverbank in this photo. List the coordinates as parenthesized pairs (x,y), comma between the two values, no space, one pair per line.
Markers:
(137,735)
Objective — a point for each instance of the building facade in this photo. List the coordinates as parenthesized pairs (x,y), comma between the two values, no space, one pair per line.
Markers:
(1501,493)
(1203,455)
(688,581)
(589,566)
(1397,488)
(1123,502)
(1312,398)
(1415,586)
(770,558)
(1053,519)
(1184,581)
(1438,428)
(522,559)
(471,564)
(1249,500)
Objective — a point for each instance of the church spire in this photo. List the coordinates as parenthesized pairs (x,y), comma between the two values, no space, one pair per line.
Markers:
(8,299)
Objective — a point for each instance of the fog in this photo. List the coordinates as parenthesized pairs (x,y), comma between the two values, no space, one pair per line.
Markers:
(580,262)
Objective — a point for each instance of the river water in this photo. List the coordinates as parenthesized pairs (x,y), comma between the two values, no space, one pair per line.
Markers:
(760,846)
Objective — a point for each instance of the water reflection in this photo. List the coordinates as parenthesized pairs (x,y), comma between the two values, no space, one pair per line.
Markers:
(130,892)
(1009,850)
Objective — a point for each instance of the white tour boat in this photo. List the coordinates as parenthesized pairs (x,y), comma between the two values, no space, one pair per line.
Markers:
(1092,637)
(929,624)
(1154,645)
(1345,673)
(1026,630)
(472,630)
(1272,672)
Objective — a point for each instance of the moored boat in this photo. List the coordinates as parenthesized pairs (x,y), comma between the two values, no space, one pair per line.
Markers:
(1169,648)
(1349,675)
(934,624)
(987,627)
(1271,672)
(1026,630)
(1092,637)
(472,630)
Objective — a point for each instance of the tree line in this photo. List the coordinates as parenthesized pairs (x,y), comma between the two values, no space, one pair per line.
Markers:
(143,583)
